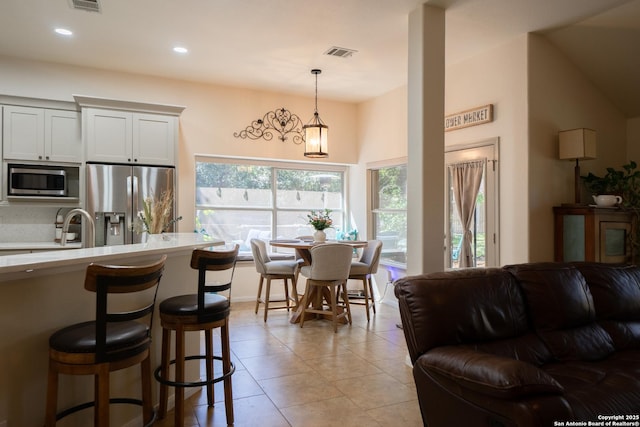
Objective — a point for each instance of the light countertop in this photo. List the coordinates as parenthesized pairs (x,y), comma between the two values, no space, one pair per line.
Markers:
(24,265)
(46,246)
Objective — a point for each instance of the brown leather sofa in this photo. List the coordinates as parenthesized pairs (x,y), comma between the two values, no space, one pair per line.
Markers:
(543,344)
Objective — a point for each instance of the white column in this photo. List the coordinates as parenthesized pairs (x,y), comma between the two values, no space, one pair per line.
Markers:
(425,192)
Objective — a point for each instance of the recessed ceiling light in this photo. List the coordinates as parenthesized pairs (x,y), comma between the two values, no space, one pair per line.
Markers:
(63,32)
(180,49)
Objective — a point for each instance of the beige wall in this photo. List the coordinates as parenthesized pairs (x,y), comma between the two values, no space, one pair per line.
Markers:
(560,98)
(633,139)
(498,77)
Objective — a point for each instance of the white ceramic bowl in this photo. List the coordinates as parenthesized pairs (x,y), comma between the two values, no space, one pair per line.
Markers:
(607,200)
(71,236)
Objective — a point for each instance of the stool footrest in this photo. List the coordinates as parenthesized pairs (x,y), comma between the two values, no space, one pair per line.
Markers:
(166,381)
(114,400)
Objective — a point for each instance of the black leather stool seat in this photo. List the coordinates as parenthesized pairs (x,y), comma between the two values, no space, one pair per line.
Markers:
(81,338)
(216,307)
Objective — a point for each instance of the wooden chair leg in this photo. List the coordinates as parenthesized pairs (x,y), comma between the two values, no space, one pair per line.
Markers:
(101,386)
(179,391)
(52,395)
(147,399)
(334,306)
(366,296)
(371,294)
(267,295)
(164,372)
(294,289)
(346,301)
(226,368)
(208,342)
(305,302)
(286,291)
(259,293)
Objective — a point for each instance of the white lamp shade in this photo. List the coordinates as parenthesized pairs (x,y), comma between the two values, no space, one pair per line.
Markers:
(577,144)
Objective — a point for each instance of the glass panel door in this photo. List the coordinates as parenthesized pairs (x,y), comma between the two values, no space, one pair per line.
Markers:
(482,224)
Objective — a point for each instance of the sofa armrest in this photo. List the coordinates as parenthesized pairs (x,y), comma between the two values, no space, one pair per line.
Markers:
(489,374)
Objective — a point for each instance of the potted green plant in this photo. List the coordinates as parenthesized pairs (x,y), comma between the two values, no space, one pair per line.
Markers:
(623,182)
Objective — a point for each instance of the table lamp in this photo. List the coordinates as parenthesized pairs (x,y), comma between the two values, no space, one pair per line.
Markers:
(577,144)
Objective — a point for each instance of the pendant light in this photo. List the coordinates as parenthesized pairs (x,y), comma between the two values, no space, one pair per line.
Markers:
(315,132)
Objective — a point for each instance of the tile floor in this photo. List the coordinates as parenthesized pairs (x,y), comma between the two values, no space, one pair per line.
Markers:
(291,376)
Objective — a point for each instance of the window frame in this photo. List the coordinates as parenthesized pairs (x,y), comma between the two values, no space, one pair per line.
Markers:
(273,208)
(373,201)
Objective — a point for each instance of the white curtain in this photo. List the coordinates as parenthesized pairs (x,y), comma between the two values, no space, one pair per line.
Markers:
(466,177)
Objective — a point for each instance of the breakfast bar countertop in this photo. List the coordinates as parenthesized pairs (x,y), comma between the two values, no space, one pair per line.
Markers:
(38,246)
(23,265)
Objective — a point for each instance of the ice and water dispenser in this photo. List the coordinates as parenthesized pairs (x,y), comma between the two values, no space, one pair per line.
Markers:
(110,228)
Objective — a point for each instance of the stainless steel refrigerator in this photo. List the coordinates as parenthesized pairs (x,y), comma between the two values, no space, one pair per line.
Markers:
(115,195)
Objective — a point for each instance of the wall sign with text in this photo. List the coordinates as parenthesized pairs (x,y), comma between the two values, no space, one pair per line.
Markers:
(472,117)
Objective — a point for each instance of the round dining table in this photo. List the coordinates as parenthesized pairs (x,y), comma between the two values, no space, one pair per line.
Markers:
(303,251)
(303,247)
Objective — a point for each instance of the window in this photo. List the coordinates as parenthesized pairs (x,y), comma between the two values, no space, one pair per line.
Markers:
(389,210)
(238,200)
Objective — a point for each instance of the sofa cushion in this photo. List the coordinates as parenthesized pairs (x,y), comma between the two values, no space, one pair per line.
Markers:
(562,310)
(615,290)
(460,307)
(497,376)
(616,295)
(609,386)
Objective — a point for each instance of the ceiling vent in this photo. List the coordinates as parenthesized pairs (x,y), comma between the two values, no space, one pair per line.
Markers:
(340,52)
(88,5)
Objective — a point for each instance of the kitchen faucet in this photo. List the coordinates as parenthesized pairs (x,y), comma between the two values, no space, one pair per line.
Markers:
(89,240)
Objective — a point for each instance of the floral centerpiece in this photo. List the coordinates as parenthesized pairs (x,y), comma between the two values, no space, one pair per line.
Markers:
(155,216)
(320,220)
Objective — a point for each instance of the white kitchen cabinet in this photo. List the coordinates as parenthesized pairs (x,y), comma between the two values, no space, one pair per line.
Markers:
(115,136)
(40,134)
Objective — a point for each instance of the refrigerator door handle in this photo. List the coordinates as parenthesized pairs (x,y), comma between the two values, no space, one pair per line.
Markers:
(132,208)
(134,190)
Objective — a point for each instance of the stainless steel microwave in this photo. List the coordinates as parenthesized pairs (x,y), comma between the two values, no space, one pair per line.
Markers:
(28,180)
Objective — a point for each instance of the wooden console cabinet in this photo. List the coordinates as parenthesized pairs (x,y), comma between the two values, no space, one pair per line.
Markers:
(593,234)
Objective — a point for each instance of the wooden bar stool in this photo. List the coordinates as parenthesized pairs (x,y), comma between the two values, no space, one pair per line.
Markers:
(203,311)
(114,340)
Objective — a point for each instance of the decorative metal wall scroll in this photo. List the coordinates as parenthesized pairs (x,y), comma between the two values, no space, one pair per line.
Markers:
(281,121)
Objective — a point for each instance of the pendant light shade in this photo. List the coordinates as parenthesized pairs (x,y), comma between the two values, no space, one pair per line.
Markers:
(316,132)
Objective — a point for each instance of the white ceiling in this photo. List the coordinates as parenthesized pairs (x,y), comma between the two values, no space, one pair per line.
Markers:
(273,44)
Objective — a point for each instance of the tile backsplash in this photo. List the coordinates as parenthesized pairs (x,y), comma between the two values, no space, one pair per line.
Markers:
(28,223)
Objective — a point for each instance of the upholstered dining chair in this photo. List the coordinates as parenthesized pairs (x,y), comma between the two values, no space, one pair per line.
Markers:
(363,269)
(329,270)
(285,270)
(118,338)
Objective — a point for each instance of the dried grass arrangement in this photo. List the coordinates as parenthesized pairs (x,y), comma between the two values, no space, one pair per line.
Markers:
(155,216)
